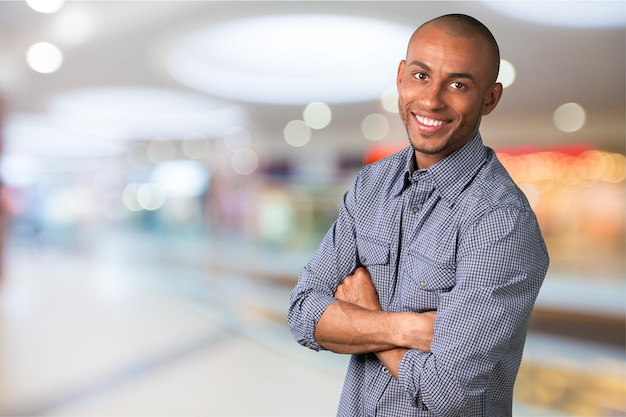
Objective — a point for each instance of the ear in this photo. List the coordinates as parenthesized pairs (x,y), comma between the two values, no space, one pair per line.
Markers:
(400,74)
(492,98)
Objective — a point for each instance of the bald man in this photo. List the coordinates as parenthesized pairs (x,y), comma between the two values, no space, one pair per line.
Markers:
(430,272)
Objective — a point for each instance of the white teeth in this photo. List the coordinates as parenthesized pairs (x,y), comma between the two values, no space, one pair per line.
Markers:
(428,122)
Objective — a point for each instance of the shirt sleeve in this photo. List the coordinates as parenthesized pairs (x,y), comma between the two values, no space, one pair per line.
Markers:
(482,322)
(332,262)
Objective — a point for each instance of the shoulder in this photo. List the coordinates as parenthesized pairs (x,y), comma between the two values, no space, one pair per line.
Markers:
(494,188)
(495,207)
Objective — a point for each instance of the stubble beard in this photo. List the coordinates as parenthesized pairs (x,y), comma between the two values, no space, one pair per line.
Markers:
(423,150)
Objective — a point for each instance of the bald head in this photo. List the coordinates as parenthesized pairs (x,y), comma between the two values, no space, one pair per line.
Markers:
(466,27)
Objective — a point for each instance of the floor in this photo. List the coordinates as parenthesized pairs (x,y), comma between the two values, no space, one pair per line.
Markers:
(128,325)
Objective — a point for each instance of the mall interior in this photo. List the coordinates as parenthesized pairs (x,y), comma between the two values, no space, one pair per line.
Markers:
(168,167)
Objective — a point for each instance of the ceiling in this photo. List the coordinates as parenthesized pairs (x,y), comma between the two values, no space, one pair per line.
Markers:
(130,41)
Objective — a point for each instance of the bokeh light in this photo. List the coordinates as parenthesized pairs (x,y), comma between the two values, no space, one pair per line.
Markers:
(161,150)
(569,117)
(550,168)
(297,133)
(44,57)
(137,155)
(375,126)
(507,73)
(317,115)
(181,178)
(245,161)
(129,197)
(389,99)
(195,145)
(236,138)
(151,196)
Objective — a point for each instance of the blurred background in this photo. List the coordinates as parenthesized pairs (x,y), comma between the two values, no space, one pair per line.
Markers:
(168,167)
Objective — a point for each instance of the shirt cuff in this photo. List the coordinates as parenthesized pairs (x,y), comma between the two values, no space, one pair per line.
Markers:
(317,305)
(410,373)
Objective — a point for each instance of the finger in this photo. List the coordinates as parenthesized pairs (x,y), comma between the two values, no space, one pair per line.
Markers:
(362,274)
(339,294)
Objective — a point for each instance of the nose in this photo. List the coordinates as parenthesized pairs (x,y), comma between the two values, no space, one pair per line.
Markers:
(431,97)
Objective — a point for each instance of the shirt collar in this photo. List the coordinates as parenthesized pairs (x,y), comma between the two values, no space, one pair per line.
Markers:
(450,175)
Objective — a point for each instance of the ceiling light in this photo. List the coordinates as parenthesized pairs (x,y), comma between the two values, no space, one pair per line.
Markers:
(45,6)
(292,59)
(36,136)
(581,14)
(145,113)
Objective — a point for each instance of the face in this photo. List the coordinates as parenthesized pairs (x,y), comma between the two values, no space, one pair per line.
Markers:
(444,90)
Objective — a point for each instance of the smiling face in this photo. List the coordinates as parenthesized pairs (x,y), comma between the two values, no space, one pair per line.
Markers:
(445,85)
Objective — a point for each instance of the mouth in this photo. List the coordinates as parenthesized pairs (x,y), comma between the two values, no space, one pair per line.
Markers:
(429,124)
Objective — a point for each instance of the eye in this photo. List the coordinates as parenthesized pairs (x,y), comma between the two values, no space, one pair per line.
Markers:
(420,76)
(457,85)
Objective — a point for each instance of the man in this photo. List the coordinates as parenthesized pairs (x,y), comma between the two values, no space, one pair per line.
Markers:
(429,274)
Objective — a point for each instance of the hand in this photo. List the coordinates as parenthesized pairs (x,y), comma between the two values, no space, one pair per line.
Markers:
(416,333)
(359,289)
(417,329)
(412,330)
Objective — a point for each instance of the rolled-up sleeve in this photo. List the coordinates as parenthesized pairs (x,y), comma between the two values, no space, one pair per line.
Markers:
(482,322)
(332,262)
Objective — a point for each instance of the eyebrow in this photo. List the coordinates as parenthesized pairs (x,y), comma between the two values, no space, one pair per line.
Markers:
(451,75)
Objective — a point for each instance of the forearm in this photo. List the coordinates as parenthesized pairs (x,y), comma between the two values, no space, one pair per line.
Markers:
(391,360)
(347,328)
(419,340)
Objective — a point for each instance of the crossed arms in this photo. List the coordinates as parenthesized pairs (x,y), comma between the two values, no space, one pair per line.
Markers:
(356,323)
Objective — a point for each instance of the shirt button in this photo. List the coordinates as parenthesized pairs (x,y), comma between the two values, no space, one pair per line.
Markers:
(385,370)
(423,283)
(363,259)
(415,208)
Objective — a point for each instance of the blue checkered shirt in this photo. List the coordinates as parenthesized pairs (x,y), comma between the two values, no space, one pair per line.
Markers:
(459,238)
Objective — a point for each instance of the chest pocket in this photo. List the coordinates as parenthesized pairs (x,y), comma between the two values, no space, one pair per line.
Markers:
(376,257)
(433,277)
(424,281)
(372,252)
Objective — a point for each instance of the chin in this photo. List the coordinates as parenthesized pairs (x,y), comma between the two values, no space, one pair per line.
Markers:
(426,148)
